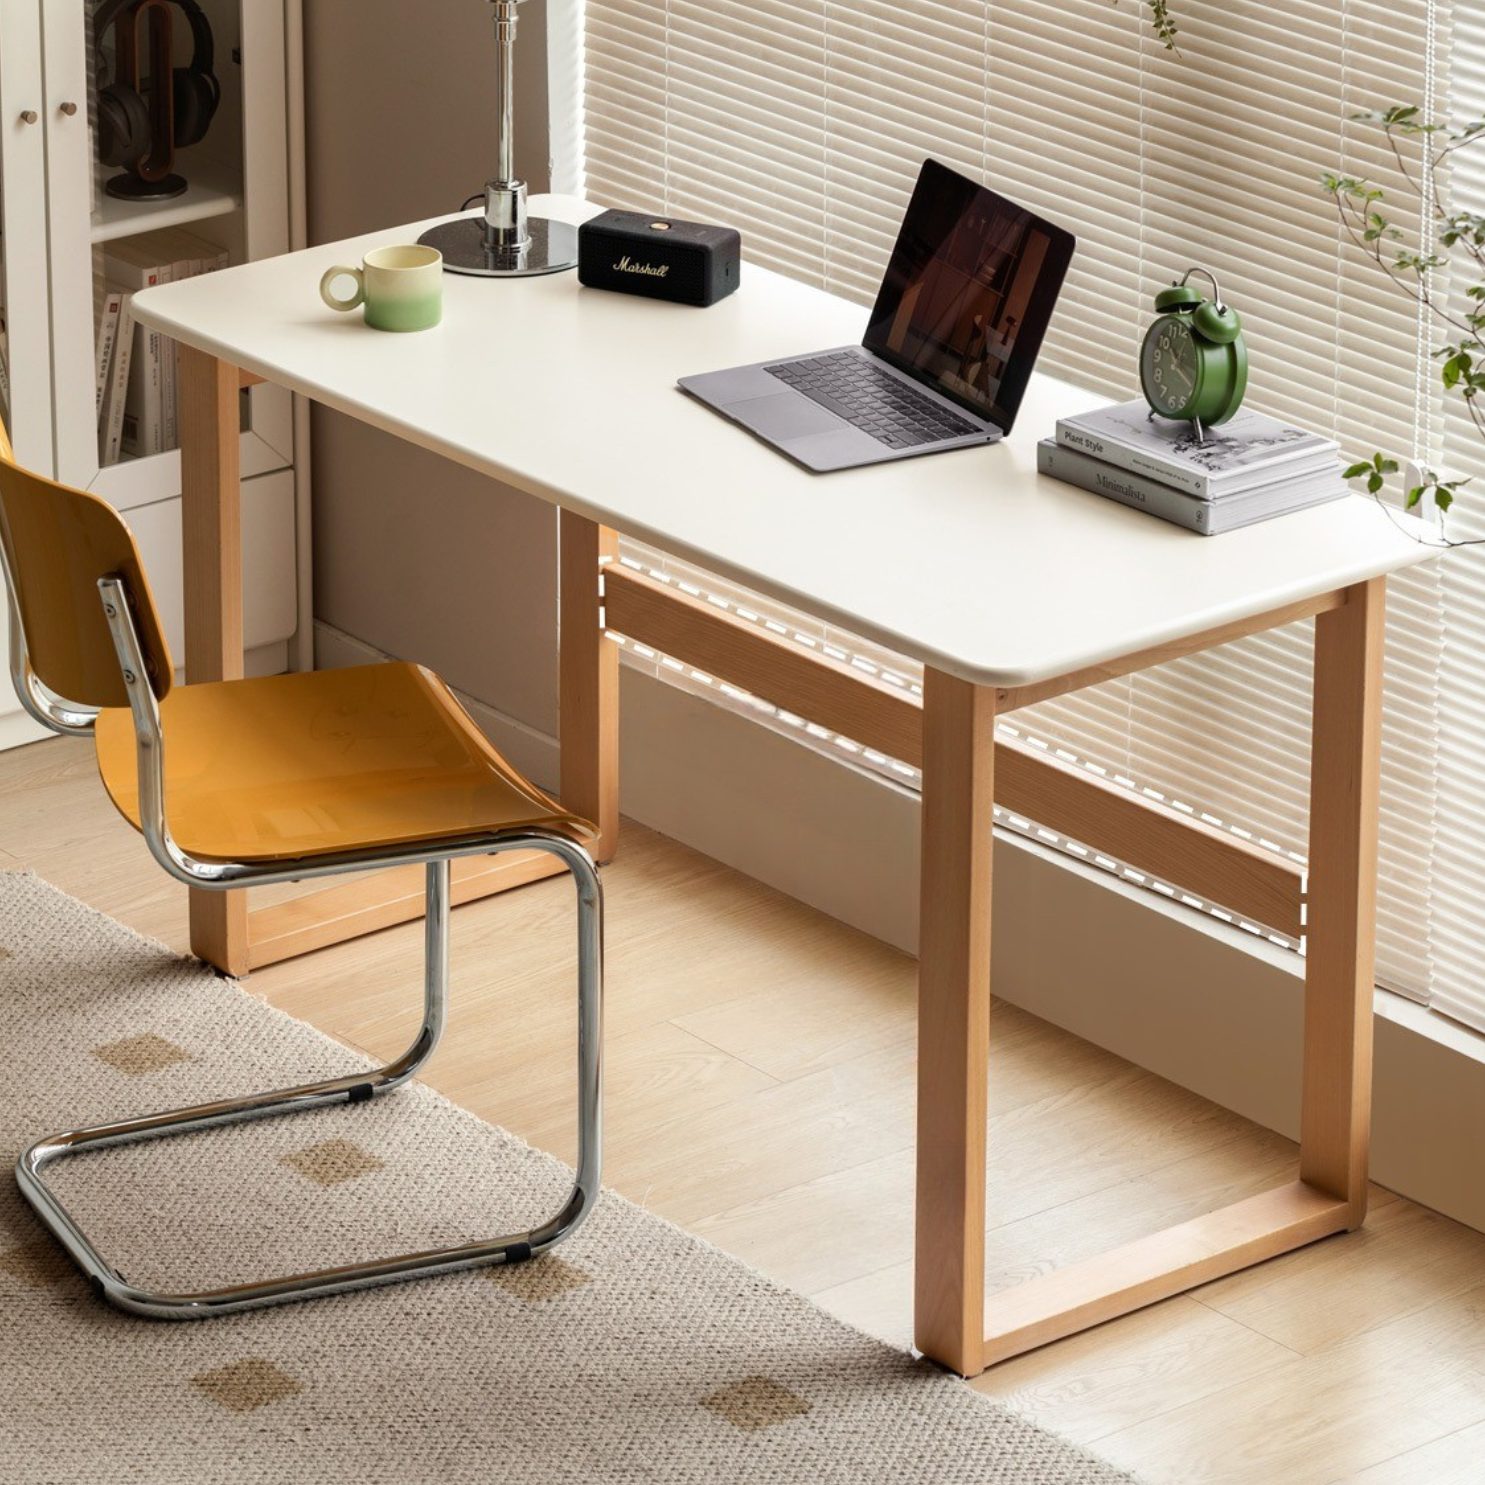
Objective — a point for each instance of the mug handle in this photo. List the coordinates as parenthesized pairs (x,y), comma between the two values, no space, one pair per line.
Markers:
(331,275)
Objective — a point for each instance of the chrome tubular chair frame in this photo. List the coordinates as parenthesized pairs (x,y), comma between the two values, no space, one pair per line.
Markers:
(355,1088)
(35,700)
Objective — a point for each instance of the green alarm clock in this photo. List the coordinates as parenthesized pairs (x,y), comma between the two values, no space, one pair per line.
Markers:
(1193,363)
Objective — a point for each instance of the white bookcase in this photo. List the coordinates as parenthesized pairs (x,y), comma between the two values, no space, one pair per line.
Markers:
(244,195)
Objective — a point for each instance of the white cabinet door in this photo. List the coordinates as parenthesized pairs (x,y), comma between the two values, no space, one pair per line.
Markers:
(23,233)
(26,385)
(237,196)
(58,226)
(69,173)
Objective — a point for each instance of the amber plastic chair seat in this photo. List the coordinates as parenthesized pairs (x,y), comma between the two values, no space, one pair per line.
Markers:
(307,765)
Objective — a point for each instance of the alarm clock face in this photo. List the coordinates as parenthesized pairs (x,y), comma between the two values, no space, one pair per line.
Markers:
(1170,367)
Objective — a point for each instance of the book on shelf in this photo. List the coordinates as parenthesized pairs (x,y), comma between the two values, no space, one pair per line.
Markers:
(1208,517)
(108,328)
(129,263)
(115,393)
(167,438)
(189,253)
(160,256)
(1250,449)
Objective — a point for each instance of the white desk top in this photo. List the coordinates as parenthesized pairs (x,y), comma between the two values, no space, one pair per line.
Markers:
(968,561)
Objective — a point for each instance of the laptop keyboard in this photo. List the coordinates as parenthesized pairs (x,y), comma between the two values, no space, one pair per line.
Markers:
(864,395)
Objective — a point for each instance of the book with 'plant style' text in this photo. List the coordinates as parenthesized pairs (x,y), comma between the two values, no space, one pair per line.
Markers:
(1250,449)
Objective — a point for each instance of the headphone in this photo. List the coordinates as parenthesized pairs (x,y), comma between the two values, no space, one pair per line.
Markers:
(124,127)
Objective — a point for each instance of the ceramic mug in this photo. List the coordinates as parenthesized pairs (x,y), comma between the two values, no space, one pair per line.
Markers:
(401,287)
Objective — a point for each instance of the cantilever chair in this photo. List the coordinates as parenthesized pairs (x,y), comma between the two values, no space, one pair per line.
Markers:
(272,780)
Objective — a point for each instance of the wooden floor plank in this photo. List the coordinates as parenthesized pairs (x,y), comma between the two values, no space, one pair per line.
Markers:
(1405,1259)
(1453,1460)
(1172,1355)
(1323,1418)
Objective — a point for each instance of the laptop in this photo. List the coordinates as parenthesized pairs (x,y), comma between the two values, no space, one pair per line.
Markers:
(958,321)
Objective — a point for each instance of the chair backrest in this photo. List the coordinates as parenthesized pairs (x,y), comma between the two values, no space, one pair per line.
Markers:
(58,542)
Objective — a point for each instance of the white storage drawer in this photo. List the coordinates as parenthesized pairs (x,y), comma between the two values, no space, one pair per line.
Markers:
(269,583)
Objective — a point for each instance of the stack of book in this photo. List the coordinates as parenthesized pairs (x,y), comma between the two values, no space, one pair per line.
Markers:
(136,395)
(1250,469)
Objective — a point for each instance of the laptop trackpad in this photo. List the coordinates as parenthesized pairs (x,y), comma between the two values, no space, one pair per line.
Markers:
(784,415)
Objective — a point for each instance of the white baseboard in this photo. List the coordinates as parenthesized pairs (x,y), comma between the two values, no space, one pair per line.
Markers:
(1211,1008)
(17,729)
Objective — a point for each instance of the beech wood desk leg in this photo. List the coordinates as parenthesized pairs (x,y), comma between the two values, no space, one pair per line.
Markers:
(211,521)
(1335,1118)
(954,1020)
(589,680)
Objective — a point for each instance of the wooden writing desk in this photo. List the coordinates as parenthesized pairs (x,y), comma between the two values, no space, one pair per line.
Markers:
(1008,587)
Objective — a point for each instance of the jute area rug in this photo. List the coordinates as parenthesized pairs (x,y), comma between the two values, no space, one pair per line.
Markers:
(633,1353)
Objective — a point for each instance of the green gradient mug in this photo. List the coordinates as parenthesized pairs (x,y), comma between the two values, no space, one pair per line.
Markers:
(401,287)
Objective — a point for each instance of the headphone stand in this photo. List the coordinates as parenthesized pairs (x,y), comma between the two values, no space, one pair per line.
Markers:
(153,177)
(131,187)
(505,241)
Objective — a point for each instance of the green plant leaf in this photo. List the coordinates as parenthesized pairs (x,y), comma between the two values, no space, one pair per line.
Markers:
(1457,366)
(1375,469)
(1163,23)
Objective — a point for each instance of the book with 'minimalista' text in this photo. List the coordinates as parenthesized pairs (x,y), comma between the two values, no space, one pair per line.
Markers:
(1206,517)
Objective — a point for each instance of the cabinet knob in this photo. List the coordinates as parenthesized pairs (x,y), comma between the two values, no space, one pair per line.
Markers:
(68,108)
(28,116)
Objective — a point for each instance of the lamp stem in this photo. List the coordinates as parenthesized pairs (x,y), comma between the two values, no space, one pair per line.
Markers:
(505,240)
(505,196)
(505,87)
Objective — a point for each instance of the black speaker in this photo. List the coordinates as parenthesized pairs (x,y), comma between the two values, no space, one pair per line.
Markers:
(659,257)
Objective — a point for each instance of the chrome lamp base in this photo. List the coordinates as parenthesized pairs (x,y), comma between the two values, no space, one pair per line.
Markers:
(550,247)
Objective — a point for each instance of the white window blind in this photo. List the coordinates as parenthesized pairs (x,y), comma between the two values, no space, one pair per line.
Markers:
(1458,906)
(565,63)
(803,123)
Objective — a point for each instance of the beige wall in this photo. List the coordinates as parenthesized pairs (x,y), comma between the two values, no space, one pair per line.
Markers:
(413,555)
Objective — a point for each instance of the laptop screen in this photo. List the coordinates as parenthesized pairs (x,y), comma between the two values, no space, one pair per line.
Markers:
(968,293)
